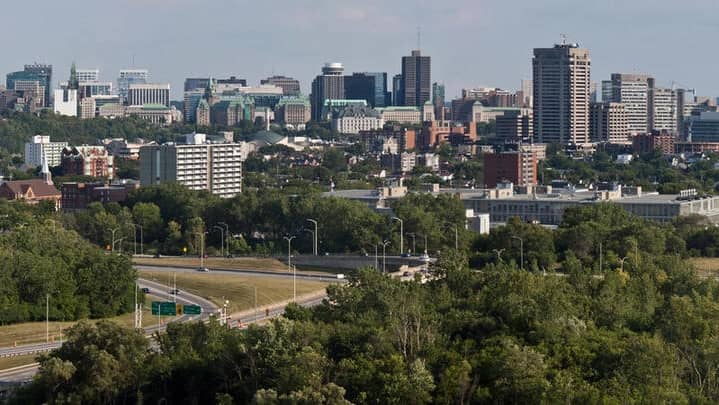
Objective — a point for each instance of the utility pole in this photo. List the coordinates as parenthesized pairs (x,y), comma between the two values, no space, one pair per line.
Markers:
(294,284)
(227,236)
(222,239)
(384,256)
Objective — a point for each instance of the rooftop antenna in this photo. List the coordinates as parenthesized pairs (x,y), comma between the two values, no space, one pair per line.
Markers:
(419,38)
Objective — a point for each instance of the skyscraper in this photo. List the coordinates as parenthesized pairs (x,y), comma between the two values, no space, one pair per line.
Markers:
(561,94)
(438,101)
(128,77)
(327,86)
(632,90)
(397,92)
(40,73)
(371,87)
(416,79)
(663,108)
(289,85)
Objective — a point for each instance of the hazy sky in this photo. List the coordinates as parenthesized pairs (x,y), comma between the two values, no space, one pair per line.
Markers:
(472,42)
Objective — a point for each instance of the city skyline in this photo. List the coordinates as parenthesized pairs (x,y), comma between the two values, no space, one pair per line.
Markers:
(633,41)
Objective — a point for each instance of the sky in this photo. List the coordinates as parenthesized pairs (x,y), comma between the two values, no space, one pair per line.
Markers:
(472,42)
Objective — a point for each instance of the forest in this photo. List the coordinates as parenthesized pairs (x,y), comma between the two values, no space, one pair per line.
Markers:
(644,330)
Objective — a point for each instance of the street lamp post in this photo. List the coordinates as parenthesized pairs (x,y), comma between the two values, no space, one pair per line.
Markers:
(521,251)
(315,236)
(499,254)
(222,239)
(401,234)
(227,237)
(202,249)
(289,251)
(622,260)
(311,232)
(414,241)
(456,235)
(384,256)
(113,238)
(134,234)
(294,284)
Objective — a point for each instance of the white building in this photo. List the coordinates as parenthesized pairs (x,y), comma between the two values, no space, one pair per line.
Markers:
(88,75)
(633,91)
(65,102)
(402,115)
(41,146)
(663,109)
(215,167)
(355,118)
(141,94)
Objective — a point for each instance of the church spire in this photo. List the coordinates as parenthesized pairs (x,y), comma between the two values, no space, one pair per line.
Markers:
(46,175)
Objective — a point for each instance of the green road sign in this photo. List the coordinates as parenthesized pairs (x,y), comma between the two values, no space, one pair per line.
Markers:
(192,309)
(164,308)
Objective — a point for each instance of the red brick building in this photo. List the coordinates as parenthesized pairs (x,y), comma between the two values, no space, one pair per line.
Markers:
(77,196)
(646,143)
(86,160)
(30,191)
(520,168)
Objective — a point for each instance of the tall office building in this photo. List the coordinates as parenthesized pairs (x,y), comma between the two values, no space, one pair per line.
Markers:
(438,101)
(289,85)
(128,77)
(371,87)
(632,90)
(330,85)
(199,165)
(527,93)
(197,83)
(663,109)
(561,94)
(397,92)
(141,94)
(88,75)
(416,79)
(40,73)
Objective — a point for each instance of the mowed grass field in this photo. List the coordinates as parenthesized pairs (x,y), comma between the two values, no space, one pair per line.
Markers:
(706,266)
(239,290)
(10,362)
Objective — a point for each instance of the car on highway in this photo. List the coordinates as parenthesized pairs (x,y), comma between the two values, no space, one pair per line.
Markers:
(406,254)
(145,290)
(203,269)
(424,257)
(175,291)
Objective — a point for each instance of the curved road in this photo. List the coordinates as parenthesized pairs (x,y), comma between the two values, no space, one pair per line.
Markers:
(158,290)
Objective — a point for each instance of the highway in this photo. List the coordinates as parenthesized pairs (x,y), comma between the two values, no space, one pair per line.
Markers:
(161,291)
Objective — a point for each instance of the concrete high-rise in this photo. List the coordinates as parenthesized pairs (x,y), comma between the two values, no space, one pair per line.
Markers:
(438,100)
(199,165)
(397,92)
(330,85)
(290,86)
(663,109)
(632,90)
(608,123)
(416,79)
(561,94)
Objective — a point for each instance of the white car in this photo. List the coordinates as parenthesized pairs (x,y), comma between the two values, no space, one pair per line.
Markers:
(424,258)
(203,269)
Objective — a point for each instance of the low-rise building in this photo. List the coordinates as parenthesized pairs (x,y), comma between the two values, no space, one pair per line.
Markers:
(647,143)
(519,168)
(122,149)
(294,111)
(32,191)
(515,125)
(77,196)
(401,115)
(155,113)
(87,160)
(355,118)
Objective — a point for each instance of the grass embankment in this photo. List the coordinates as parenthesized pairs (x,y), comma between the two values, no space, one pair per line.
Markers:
(34,332)
(705,266)
(253,263)
(10,362)
(239,290)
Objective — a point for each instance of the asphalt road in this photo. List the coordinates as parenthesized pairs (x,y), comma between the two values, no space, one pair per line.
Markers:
(162,292)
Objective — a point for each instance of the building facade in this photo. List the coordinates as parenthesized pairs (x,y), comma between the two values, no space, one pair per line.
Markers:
(416,79)
(65,102)
(216,168)
(330,85)
(515,126)
(561,78)
(128,77)
(663,109)
(42,148)
(93,161)
(355,118)
(293,110)
(519,168)
(632,90)
(401,115)
(290,86)
(608,123)
(141,94)
(39,74)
